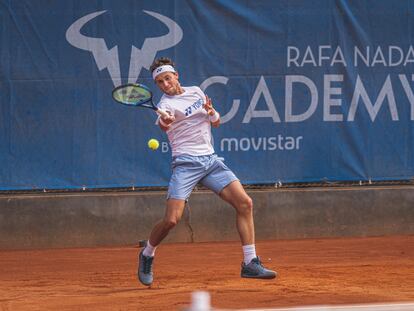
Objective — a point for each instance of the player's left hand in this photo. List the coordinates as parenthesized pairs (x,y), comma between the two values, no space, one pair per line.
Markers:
(208,106)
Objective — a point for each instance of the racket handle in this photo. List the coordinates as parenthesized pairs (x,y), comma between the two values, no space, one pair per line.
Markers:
(162,113)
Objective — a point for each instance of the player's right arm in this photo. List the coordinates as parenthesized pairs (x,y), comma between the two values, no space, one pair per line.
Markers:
(165,122)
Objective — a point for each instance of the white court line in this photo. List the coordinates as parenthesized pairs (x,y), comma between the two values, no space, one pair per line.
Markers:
(362,307)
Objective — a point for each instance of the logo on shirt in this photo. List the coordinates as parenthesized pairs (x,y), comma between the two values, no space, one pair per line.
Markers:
(190,109)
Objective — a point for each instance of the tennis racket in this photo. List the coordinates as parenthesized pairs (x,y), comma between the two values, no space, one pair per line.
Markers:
(138,95)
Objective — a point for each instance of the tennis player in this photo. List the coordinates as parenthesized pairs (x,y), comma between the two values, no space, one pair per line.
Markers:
(193,161)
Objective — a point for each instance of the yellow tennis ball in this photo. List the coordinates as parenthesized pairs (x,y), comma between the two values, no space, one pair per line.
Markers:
(153,144)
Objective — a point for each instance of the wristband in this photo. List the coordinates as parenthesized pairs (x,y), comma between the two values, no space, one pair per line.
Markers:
(163,123)
(214,117)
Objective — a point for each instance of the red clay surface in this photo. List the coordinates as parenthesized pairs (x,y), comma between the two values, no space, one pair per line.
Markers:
(311,272)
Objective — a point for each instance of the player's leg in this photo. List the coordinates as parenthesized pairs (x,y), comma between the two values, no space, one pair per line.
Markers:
(184,178)
(222,181)
(235,194)
(173,213)
(186,174)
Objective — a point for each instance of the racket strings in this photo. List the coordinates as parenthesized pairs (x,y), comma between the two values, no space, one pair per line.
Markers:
(133,94)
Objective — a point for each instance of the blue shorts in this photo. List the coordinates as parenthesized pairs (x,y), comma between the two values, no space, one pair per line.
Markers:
(188,171)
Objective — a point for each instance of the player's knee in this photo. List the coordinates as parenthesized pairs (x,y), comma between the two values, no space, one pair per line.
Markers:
(246,205)
(170,223)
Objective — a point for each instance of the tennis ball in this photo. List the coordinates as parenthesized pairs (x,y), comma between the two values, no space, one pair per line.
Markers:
(153,144)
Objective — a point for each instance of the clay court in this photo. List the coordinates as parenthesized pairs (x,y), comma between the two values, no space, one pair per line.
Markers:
(316,105)
(311,272)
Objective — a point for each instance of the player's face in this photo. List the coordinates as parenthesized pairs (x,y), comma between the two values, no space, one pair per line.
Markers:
(168,83)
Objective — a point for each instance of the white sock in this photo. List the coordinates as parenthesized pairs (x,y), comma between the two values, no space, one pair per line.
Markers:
(149,250)
(249,252)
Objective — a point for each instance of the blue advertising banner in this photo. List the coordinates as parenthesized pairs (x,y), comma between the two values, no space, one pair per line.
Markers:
(308,90)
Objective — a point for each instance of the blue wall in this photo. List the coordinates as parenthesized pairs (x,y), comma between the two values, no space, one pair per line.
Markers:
(308,90)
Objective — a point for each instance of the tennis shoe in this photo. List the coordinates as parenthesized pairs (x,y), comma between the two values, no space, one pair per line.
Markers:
(145,274)
(255,270)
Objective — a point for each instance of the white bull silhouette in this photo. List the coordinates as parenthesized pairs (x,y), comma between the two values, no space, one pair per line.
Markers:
(109,58)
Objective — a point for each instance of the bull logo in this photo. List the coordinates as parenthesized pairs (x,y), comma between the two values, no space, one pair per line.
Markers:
(109,58)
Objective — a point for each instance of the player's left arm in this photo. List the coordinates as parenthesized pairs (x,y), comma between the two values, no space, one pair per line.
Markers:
(213,115)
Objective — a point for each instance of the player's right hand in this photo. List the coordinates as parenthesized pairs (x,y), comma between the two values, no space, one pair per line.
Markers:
(165,121)
(168,120)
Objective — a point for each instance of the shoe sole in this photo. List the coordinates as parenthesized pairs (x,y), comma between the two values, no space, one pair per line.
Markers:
(263,277)
(144,283)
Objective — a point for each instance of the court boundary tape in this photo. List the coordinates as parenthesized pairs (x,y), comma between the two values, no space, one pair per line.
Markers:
(353,307)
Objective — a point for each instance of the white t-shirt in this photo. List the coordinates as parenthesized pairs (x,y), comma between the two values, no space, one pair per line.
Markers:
(190,133)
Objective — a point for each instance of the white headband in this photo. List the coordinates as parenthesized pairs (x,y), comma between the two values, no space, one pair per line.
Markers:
(161,69)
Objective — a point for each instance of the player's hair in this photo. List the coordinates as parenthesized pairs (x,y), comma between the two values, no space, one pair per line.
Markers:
(160,62)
